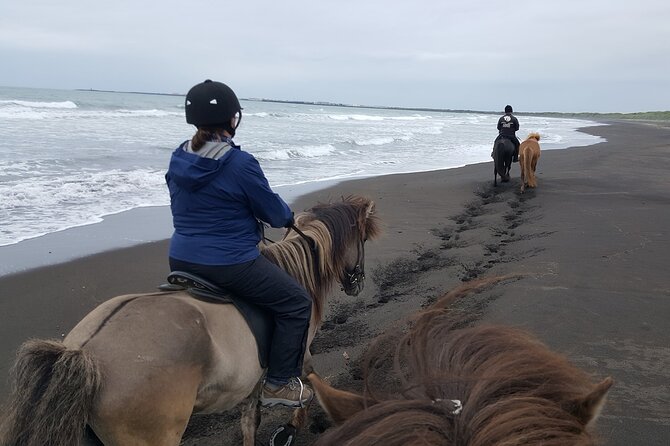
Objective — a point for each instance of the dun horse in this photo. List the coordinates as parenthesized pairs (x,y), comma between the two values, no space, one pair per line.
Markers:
(453,383)
(137,366)
(529,154)
(502,160)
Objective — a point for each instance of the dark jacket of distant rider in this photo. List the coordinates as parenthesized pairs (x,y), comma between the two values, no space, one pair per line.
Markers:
(508,125)
(507,128)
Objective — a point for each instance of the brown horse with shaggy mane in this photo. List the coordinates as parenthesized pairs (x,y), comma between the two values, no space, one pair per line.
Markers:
(447,382)
(529,154)
(137,366)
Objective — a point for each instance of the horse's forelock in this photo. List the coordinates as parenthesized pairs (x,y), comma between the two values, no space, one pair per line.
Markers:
(347,220)
(369,224)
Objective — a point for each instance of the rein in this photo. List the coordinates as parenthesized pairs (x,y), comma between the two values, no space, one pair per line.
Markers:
(357,275)
(310,242)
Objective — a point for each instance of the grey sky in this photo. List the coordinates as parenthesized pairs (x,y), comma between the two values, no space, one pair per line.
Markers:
(572,55)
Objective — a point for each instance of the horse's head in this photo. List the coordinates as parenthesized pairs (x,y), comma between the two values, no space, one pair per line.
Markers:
(327,245)
(440,380)
(352,277)
(350,222)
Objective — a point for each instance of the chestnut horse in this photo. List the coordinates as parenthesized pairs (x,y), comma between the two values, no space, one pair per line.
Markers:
(529,154)
(453,383)
(137,366)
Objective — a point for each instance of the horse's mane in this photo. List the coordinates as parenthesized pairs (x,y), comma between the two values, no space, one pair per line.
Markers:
(513,389)
(332,227)
(534,135)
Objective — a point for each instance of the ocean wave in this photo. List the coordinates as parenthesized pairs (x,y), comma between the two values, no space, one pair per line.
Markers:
(314,151)
(268,115)
(410,118)
(51,204)
(379,141)
(434,130)
(356,117)
(27,113)
(359,117)
(348,175)
(547,138)
(58,182)
(141,113)
(36,104)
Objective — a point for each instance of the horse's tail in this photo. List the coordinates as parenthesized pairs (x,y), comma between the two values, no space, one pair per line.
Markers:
(532,182)
(54,390)
(525,164)
(529,161)
(502,161)
(497,157)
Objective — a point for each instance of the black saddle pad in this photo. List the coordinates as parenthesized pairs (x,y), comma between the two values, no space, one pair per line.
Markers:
(259,320)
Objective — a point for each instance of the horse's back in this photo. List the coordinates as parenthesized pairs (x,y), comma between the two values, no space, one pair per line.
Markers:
(166,349)
(134,321)
(164,321)
(504,148)
(530,147)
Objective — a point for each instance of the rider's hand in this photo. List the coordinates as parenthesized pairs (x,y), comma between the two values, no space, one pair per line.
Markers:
(290,222)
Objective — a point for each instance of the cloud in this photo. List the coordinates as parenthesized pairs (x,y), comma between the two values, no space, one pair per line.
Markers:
(325,50)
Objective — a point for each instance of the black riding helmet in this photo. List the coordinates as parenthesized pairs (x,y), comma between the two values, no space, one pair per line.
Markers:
(212,104)
(508,109)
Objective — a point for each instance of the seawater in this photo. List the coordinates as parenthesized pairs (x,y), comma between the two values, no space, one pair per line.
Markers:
(69,158)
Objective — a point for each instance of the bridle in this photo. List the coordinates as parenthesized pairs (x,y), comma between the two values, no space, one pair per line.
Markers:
(356,277)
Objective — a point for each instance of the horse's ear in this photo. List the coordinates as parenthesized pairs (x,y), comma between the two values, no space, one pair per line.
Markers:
(587,409)
(371,222)
(370,209)
(338,404)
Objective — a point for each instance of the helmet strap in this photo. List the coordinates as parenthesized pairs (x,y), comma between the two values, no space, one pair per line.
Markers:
(229,128)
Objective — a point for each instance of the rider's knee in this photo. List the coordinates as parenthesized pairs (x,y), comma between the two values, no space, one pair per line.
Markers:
(303,306)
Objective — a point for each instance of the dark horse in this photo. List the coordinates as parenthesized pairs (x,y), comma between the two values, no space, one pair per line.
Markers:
(447,382)
(502,159)
(137,366)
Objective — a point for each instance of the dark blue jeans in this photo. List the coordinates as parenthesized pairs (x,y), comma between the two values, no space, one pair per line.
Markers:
(266,285)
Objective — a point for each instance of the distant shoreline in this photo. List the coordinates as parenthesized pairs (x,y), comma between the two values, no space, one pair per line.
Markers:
(130,92)
(649,115)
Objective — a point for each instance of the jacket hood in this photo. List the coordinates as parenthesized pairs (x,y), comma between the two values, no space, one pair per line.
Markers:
(192,171)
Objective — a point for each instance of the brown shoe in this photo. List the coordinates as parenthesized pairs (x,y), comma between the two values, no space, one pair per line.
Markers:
(292,394)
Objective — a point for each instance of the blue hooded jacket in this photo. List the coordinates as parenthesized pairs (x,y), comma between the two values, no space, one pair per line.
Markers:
(216,205)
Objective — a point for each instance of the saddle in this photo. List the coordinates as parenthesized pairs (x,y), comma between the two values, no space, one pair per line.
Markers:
(259,320)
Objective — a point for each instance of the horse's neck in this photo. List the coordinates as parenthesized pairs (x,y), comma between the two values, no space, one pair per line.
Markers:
(310,269)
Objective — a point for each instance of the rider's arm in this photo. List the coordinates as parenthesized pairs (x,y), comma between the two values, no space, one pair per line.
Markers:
(265,204)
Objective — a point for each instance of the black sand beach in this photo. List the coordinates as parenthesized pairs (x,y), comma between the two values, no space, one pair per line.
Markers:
(592,241)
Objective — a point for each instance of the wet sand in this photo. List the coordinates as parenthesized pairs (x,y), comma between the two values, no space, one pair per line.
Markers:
(592,241)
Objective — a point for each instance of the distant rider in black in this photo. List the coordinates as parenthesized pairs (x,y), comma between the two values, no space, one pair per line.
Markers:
(507,127)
